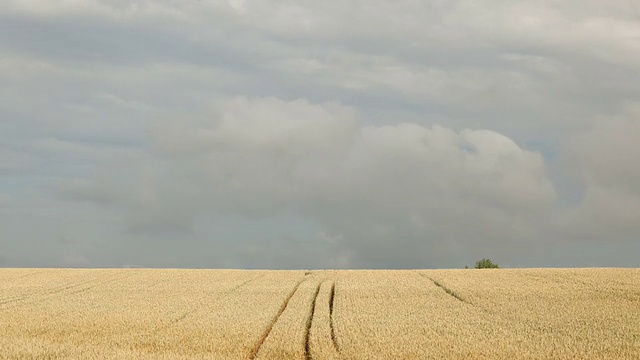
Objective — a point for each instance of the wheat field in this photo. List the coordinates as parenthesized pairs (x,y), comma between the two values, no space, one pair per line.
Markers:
(350,314)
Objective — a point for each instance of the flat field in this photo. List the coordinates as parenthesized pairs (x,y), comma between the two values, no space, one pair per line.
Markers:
(360,314)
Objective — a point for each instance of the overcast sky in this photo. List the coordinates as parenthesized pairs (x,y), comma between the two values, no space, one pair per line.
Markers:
(319,134)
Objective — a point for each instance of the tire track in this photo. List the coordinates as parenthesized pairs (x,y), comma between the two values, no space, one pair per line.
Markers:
(34,294)
(256,348)
(43,296)
(193,309)
(447,290)
(307,332)
(322,338)
(100,284)
(218,299)
(245,283)
(334,340)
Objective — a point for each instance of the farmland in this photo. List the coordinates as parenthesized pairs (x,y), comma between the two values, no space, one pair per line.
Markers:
(349,314)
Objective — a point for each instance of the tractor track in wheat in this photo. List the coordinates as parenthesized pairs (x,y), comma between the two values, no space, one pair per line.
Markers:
(446,289)
(332,295)
(256,348)
(307,353)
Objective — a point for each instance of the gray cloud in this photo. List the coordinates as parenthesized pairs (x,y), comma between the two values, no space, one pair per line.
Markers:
(4,200)
(278,134)
(369,186)
(605,157)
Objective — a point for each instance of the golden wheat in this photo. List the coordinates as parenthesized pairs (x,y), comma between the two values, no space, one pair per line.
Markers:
(322,338)
(235,314)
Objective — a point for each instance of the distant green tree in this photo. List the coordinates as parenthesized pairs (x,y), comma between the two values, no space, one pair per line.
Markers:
(486,264)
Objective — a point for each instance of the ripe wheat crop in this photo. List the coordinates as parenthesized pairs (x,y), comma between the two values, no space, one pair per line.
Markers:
(359,314)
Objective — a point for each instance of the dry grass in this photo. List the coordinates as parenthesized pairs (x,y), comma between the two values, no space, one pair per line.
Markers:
(232,314)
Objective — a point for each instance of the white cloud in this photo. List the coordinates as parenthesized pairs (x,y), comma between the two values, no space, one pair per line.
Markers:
(266,152)
(265,156)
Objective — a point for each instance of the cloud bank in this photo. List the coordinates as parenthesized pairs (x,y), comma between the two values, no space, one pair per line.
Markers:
(404,187)
(328,134)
